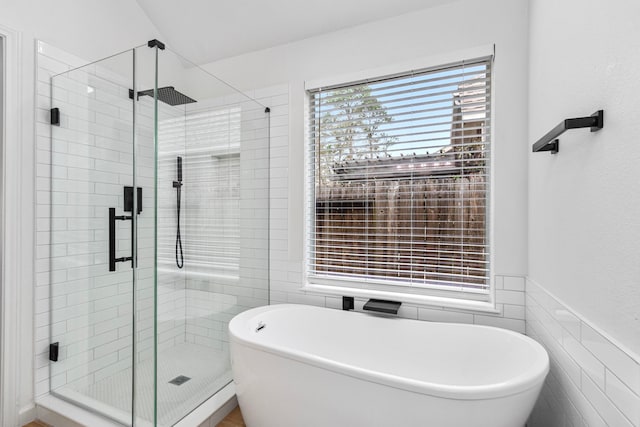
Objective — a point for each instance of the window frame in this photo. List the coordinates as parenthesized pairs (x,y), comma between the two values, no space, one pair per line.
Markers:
(431,295)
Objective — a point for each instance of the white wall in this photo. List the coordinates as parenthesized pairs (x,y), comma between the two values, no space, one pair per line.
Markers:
(584,203)
(90,29)
(583,293)
(428,33)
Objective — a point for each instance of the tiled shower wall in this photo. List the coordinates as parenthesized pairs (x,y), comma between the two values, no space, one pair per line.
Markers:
(592,381)
(226,206)
(224,217)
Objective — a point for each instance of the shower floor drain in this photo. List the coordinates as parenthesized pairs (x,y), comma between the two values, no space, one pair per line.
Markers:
(179,380)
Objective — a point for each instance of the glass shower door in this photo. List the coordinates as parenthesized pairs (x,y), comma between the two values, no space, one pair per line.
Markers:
(91,220)
(208,147)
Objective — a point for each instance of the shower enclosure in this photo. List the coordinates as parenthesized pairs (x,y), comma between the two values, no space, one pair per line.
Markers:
(158,233)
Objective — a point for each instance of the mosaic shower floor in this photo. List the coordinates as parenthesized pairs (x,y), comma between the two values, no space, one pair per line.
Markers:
(207,370)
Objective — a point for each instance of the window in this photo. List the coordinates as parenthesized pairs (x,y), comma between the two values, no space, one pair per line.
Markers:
(400,181)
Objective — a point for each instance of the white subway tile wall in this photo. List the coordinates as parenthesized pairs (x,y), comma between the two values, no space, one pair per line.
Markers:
(227,199)
(592,381)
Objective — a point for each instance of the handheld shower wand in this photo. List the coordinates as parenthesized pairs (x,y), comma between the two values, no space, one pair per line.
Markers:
(178,186)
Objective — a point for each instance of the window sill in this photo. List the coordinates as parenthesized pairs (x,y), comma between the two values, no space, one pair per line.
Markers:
(421,300)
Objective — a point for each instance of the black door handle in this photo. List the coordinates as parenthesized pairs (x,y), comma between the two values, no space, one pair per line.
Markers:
(112,238)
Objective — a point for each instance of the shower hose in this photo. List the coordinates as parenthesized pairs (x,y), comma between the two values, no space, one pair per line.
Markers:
(179,253)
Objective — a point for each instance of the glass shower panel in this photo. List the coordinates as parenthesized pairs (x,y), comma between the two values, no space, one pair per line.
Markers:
(212,228)
(91,273)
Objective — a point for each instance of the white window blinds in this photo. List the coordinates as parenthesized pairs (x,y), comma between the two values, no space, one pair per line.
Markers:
(400,179)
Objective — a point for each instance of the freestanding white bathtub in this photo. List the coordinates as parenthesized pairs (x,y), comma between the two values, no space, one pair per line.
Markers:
(304,366)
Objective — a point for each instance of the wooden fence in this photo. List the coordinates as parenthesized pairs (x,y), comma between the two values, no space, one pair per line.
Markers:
(425,230)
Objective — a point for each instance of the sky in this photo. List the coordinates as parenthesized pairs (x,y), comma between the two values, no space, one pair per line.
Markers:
(436,89)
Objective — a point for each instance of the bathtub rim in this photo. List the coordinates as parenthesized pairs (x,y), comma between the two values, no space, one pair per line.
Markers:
(531,378)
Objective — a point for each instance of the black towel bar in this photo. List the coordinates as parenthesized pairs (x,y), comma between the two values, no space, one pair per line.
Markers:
(550,141)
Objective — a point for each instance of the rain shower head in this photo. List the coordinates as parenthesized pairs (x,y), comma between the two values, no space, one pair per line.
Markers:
(168,95)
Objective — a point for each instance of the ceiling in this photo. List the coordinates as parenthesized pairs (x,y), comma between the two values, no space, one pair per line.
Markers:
(206,30)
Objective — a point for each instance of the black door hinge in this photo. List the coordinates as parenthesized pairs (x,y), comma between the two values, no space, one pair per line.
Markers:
(55,116)
(53,351)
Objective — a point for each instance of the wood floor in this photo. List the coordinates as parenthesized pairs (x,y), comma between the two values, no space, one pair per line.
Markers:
(234,419)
